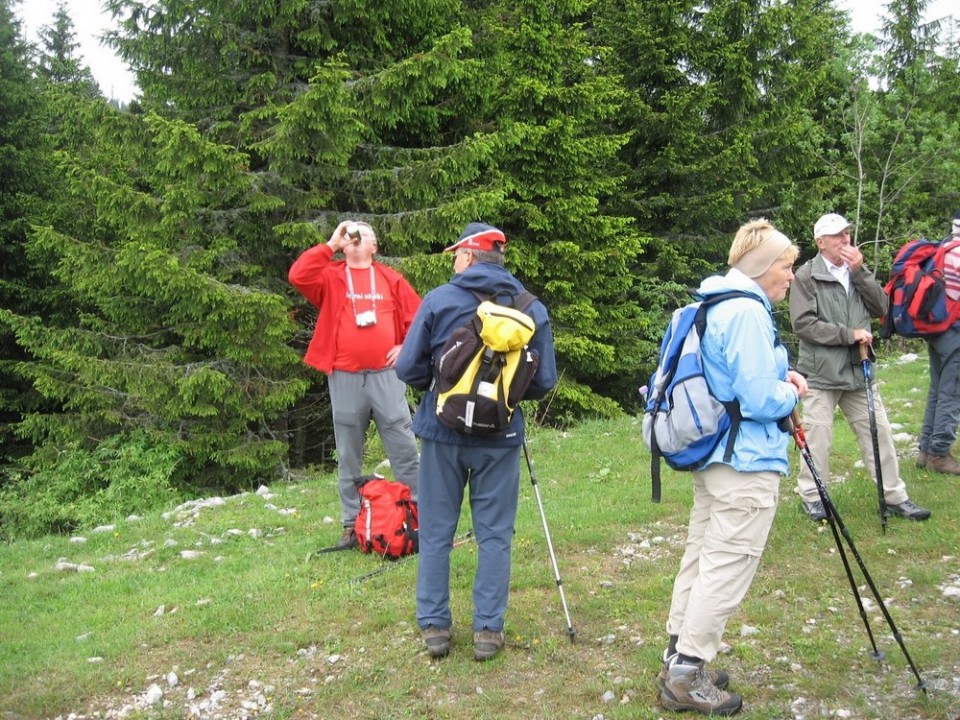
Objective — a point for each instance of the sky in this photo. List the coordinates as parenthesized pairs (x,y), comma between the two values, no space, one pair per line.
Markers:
(116,81)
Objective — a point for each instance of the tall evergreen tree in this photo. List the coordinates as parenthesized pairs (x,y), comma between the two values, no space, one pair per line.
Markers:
(419,122)
(23,185)
(58,61)
(726,98)
(170,333)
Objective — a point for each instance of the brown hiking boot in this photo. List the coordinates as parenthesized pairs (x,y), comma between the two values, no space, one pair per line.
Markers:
(688,687)
(437,640)
(922,458)
(486,644)
(943,464)
(719,678)
(348,539)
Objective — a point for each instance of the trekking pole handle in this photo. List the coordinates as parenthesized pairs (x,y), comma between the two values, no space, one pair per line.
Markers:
(791,424)
(864,349)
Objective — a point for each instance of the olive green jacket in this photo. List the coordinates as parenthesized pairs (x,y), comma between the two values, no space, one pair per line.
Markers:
(824,317)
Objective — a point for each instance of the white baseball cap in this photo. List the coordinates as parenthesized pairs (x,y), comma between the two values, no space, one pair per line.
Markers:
(830,224)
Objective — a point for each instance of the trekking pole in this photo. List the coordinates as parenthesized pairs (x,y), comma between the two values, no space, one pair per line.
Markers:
(793,426)
(571,633)
(463,539)
(872,412)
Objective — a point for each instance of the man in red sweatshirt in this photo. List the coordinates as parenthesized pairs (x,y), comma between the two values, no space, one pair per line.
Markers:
(364,311)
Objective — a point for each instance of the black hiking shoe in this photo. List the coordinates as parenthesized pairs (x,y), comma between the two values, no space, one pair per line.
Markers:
(909,510)
(815,510)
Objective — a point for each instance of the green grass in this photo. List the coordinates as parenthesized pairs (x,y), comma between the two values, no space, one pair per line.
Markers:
(263,609)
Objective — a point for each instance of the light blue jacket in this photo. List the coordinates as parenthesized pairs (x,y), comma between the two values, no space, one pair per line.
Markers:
(743,360)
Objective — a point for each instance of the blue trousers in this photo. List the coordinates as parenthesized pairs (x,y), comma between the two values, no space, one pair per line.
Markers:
(943,399)
(493,476)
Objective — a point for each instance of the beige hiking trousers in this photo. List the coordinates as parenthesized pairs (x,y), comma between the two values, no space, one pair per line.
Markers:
(729,523)
(818,414)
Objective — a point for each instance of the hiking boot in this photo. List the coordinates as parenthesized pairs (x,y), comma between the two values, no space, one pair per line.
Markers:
(815,510)
(922,458)
(687,687)
(347,540)
(943,464)
(437,640)
(486,644)
(909,510)
(719,678)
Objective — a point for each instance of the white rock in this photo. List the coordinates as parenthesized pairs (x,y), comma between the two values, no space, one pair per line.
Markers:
(172,679)
(190,554)
(327,520)
(64,566)
(153,695)
(77,539)
(160,611)
(95,659)
(254,532)
(104,528)
(333,659)
(263,490)
(747,630)
(952,592)
(608,696)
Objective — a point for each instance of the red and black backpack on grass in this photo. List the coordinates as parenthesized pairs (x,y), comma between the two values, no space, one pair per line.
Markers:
(388,522)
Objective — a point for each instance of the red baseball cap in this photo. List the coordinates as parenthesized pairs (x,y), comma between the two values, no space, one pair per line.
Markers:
(479,236)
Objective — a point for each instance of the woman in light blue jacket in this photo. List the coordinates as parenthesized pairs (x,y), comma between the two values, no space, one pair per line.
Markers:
(734,503)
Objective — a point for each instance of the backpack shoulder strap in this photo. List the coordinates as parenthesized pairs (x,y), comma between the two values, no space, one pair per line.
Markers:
(731,406)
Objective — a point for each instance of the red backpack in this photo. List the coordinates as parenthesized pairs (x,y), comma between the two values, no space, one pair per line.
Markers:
(919,304)
(387,523)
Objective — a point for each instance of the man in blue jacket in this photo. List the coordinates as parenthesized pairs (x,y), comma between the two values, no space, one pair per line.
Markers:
(451,460)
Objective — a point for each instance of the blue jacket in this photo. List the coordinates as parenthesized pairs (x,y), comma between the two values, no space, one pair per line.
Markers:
(742,359)
(446,308)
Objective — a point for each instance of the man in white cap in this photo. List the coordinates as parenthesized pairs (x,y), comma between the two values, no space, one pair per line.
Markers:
(832,301)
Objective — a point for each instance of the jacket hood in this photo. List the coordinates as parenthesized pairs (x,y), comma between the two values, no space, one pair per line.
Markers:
(733,280)
(487,279)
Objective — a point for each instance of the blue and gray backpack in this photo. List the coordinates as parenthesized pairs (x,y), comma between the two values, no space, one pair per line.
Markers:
(683,421)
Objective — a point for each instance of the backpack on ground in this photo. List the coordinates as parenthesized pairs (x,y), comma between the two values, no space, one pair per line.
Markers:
(486,366)
(683,421)
(388,522)
(919,304)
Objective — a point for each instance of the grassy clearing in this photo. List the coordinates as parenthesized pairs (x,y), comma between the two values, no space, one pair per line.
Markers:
(256,619)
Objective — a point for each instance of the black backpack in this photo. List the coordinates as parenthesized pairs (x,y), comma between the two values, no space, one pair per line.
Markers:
(486,366)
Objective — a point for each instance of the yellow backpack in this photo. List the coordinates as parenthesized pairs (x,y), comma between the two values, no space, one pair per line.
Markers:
(486,366)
